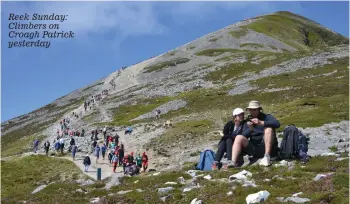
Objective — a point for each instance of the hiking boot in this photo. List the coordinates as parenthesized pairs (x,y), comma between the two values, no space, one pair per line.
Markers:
(215,166)
(230,164)
(265,161)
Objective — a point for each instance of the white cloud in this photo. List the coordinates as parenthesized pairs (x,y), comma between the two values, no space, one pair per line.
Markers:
(122,18)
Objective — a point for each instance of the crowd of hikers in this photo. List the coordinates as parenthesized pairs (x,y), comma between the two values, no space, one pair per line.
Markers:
(110,147)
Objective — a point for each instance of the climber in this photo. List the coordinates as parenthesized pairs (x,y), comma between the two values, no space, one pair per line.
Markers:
(46,147)
(144,161)
(87,162)
(36,144)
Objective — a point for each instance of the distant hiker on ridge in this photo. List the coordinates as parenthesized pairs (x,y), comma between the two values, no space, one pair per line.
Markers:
(36,144)
(46,147)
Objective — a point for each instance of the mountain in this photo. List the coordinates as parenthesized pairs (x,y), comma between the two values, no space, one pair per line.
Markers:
(295,67)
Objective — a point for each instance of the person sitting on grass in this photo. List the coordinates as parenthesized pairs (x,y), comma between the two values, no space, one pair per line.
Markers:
(258,138)
(232,128)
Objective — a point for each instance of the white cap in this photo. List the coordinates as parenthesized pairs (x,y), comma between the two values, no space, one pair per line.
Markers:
(237,111)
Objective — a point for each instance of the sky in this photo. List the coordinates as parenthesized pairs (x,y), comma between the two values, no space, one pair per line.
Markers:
(109,35)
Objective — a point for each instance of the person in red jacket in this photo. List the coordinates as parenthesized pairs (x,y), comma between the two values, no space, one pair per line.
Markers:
(144,161)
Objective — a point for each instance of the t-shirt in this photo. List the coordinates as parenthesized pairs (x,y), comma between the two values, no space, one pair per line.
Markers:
(138,160)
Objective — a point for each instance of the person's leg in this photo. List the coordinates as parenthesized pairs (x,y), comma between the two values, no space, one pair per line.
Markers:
(228,148)
(221,150)
(268,139)
(239,144)
(268,144)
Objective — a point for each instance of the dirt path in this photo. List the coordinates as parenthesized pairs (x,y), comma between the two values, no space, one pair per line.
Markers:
(106,169)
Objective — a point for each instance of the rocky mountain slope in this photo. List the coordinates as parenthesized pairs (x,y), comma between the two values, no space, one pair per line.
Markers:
(296,68)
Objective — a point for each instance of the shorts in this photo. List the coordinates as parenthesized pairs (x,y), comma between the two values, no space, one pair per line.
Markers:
(255,149)
(139,165)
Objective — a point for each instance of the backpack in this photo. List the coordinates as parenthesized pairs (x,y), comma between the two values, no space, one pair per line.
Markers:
(294,144)
(207,157)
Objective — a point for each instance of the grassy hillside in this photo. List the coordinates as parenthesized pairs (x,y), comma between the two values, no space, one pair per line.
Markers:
(296,31)
(282,182)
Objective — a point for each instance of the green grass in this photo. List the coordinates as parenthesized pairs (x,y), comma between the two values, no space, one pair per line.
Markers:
(180,134)
(292,30)
(333,148)
(333,189)
(23,175)
(162,65)
(21,146)
(239,33)
(251,45)
(192,47)
(123,114)
(213,39)
(219,51)
(237,69)
(90,87)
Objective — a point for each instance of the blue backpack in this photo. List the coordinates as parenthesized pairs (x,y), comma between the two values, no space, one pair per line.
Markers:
(207,158)
(294,144)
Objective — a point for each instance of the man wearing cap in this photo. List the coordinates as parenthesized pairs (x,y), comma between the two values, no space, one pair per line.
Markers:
(232,128)
(260,130)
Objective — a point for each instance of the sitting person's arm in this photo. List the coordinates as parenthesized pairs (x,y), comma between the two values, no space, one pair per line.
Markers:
(226,130)
(247,129)
(269,121)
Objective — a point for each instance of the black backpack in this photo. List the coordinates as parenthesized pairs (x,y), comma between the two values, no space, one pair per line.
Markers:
(294,144)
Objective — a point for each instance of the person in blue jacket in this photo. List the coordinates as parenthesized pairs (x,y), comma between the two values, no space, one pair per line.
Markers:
(258,138)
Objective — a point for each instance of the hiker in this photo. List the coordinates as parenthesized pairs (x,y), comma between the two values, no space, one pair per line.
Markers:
(138,160)
(104,132)
(36,145)
(87,162)
(110,157)
(125,161)
(72,142)
(128,130)
(115,162)
(108,140)
(112,145)
(57,147)
(131,158)
(82,132)
(97,153)
(260,130)
(46,147)
(103,151)
(74,150)
(92,134)
(121,154)
(144,161)
(157,113)
(116,139)
(61,145)
(232,128)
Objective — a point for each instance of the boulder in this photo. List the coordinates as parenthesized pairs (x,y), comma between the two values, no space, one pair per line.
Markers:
(258,197)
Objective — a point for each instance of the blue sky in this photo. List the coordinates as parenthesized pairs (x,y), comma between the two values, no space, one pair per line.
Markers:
(109,35)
